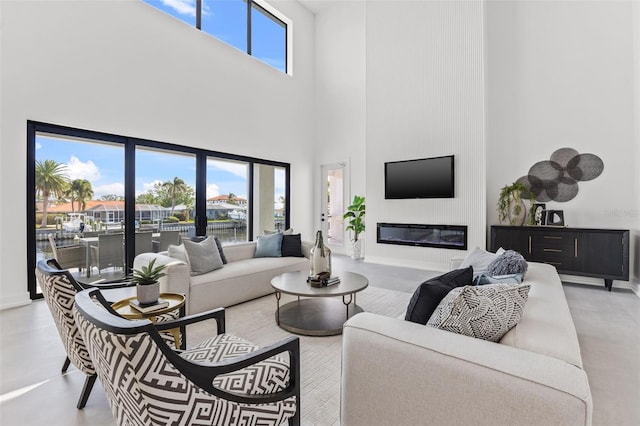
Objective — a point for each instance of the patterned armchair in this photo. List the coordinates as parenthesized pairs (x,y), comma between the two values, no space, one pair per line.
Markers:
(224,380)
(59,288)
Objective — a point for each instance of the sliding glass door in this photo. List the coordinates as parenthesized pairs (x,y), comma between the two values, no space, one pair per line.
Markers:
(97,200)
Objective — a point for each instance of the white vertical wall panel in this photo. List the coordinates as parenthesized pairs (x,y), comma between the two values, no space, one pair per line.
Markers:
(425,98)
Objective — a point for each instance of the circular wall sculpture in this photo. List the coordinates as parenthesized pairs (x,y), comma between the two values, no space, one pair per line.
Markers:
(557,179)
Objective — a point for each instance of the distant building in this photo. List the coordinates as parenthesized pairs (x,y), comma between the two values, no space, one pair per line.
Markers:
(113,211)
(224,199)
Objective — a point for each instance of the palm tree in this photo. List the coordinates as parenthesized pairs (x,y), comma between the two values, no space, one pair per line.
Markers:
(79,190)
(231,198)
(84,193)
(175,189)
(50,180)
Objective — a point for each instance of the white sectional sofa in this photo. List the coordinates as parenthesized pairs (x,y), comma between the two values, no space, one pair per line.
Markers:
(399,372)
(242,278)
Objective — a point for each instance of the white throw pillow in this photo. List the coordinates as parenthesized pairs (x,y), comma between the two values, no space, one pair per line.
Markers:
(178,252)
(480,259)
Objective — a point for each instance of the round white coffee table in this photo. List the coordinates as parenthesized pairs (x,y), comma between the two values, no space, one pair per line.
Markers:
(320,313)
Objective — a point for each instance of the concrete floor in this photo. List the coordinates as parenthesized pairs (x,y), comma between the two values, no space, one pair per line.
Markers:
(33,392)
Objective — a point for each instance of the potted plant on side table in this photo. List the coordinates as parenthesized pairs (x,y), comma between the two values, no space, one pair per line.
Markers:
(355,216)
(147,285)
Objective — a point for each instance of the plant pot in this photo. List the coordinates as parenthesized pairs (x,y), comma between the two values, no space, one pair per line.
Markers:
(517,213)
(357,249)
(148,293)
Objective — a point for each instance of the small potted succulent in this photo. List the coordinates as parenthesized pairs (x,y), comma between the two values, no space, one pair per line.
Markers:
(147,285)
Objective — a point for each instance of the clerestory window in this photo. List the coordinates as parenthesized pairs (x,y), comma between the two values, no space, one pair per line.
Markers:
(252,26)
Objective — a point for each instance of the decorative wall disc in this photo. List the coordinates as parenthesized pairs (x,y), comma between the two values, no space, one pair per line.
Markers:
(557,179)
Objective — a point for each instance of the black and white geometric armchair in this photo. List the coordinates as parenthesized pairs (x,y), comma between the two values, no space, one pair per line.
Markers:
(224,380)
(59,288)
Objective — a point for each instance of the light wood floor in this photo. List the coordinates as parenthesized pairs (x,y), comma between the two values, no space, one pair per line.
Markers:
(33,392)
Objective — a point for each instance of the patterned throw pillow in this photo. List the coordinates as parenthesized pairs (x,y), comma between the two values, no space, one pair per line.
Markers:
(486,312)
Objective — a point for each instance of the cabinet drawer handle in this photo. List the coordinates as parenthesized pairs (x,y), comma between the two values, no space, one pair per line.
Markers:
(529,244)
(555,238)
(575,247)
(553,250)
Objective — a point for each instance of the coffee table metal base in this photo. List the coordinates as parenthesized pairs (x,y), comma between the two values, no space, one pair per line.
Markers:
(316,316)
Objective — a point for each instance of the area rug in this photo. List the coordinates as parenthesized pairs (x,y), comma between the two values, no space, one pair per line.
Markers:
(320,356)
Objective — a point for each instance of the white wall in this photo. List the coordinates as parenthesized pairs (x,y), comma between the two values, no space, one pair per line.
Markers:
(340,124)
(560,74)
(424,98)
(126,68)
(635,284)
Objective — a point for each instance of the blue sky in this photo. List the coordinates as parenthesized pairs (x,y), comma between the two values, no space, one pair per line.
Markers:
(227,21)
(103,165)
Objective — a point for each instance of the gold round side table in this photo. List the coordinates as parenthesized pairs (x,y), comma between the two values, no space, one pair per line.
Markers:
(176,302)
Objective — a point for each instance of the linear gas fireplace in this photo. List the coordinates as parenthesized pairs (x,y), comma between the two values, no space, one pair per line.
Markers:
(441,236)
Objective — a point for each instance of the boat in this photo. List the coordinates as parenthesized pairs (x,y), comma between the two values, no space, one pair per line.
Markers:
(74,222)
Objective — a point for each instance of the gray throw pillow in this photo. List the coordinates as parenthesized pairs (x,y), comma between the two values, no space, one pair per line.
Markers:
(204,256)
(484,312)
(509,262)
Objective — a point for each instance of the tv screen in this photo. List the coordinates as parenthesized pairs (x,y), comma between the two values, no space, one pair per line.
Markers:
(423,178)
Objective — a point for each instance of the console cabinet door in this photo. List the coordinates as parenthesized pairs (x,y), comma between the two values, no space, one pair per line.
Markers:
(602,254)
(511,238)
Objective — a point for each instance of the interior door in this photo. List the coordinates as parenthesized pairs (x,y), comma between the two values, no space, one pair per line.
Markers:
(333,203)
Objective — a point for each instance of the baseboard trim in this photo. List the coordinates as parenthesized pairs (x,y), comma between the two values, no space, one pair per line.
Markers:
(15,301)
(409,264)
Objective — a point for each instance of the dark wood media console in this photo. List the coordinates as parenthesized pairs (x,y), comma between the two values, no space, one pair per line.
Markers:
(598,253)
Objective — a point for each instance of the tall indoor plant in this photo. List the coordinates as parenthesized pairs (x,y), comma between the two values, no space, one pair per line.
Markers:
(146,279)
(355,217)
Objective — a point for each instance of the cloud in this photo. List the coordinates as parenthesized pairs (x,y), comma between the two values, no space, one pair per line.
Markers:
(213,190)
(184,7)
(148,186)
(38,145)
(238,169)
(76,169)
(116,188)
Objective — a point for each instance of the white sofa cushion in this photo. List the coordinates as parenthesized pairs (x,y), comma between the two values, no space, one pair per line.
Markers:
(546,326)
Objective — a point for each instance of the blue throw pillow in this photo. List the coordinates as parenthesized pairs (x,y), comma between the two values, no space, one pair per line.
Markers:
(269,246)
(483,279)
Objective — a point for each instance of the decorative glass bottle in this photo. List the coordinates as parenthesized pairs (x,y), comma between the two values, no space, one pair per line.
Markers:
(319,258)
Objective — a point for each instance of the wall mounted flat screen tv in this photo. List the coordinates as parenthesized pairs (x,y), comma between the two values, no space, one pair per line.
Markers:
(422,178)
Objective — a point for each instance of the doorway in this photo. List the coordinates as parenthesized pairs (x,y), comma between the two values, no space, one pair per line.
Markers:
(333,203)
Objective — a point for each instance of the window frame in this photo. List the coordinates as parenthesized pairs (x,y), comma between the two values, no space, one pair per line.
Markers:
(271,13)
(130,144)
